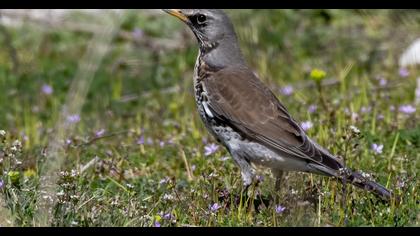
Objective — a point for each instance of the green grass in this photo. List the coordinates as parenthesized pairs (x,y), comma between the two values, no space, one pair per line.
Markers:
(136,184)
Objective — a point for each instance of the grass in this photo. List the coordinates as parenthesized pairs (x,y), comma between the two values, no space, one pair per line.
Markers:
(137,155)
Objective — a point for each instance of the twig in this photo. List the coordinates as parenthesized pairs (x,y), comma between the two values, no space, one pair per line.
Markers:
(103,137)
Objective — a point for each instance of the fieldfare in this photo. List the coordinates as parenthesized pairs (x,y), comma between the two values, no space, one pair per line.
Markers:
(245,116)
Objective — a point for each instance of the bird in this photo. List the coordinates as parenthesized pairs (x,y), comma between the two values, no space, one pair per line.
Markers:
(246,117)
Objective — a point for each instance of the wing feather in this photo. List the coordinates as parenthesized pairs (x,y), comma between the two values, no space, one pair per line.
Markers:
(237,96)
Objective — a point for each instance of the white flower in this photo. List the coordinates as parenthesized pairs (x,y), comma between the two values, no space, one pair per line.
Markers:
(354,129)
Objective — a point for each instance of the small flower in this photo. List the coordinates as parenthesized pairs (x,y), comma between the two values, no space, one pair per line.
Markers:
(354,129)
(224,158)
(193,167)
(354,116)
(137,33)
(260,178)
(2,133)
(140,140)
(162,144)
(1,184)
(377,148)
(68,141)
(365,109)
(61,193)
(392,108)
(306,125)
(312,108)
(403,72)
(280,209)
(287,90)
(74,223)
(168,197)
(317,75)
(210,149)
(383,82)
(164,180)
(204,140)
(167,216)
(73,119)
(215,207)
(24,136)
(401,183)
(156,224)
(130,186)
(99,133)
(407,109)
(29,173)
(47,89)
(17,143)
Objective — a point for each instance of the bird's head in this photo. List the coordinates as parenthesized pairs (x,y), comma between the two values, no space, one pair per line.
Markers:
(210,26)
(213,30)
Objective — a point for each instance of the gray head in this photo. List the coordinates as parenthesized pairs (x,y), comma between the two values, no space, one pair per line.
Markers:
(215,34)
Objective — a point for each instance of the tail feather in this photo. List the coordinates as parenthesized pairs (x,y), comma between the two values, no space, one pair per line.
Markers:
(358,180)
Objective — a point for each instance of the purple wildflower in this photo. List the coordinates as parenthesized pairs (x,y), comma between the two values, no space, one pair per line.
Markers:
(365,109)
(1,184)
(171,141)
(380,117)
(401,183)
(167,216)
(280,209)
(407,109)
(260,178)
(193,167)
(137,33)
(140,140)
(287,90)
(73,119)
(24,136)
(47,89)
(157,224)
(392,108)
(312,108)
(377,148)
(210,149)
(99,133)
(403,72)
(383,82)
(162,144)
(306,125)
(215,207)
(68,141)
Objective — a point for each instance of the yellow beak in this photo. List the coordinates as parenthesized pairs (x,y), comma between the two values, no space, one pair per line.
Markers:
(177,13)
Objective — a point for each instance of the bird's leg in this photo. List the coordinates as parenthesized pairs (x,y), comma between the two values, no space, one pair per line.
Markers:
(247,172)
(278,174)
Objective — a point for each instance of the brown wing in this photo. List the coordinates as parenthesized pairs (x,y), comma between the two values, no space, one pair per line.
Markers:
(239,98)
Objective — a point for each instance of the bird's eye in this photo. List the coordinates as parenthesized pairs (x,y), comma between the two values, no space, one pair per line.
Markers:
(201,19)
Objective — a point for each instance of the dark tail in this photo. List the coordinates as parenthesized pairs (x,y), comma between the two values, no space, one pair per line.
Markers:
(358,180)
